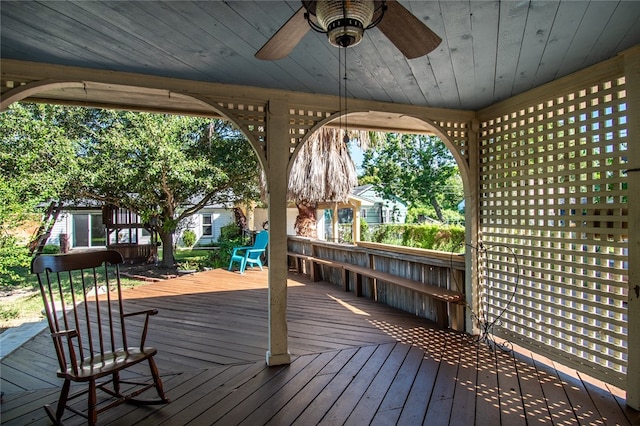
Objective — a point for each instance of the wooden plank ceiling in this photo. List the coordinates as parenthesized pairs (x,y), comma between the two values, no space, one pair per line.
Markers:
(491,50)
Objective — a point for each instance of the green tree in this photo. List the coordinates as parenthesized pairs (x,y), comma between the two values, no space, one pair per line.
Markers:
(36,151)
(163,167)
(414,168)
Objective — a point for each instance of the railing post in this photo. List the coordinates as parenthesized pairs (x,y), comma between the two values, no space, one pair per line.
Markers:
(374,282)
(456,311)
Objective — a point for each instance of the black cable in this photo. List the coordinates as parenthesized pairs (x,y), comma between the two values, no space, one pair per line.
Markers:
(482,320)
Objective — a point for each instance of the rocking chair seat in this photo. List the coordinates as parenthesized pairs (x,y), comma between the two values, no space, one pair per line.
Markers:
(111,362)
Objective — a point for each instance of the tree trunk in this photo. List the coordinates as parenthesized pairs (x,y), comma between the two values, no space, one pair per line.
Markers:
(306,220)
(241,219)
(168,260)
(437,208)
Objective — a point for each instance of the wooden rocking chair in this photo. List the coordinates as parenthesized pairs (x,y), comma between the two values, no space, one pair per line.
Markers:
(85,311)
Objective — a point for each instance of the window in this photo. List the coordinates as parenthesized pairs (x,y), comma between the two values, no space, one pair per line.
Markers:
(207,225)
(88,230)
(363,213)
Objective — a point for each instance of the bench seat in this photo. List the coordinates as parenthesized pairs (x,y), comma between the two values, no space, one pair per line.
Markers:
(443,298)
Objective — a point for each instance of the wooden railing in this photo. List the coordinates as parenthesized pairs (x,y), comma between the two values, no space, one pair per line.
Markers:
(136,253)
(427,283)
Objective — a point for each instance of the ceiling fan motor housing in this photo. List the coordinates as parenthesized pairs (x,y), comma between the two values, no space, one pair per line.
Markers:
(344,21)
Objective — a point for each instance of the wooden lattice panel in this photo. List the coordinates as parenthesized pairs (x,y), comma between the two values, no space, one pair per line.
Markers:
(253,116)
(553,206)
(301,120)
(458,132)
(9,82)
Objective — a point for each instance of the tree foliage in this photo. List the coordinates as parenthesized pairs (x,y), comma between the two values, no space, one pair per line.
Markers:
(35,153)
(414,168)
(163,167)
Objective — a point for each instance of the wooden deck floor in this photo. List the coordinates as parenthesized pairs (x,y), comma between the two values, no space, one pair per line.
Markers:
(354,362)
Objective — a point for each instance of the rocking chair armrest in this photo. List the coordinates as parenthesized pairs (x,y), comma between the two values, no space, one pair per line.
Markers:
(69,334)
(256,251)
(148,313)
(65,333)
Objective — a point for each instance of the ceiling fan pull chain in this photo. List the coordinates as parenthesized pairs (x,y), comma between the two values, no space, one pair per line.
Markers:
(340,88)
(346,129)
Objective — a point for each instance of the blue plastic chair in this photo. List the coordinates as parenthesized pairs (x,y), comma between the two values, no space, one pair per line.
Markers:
(252,254)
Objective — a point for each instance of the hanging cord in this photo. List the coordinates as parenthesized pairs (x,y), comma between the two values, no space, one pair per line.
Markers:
(340,87)
(482,320)
(344,16)
(346,125)
(342,93)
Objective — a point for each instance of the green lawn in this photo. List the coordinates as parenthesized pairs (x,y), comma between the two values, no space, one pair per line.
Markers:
(21,302)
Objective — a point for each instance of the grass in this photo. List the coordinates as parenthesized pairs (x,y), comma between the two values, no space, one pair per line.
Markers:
(193,259)
(21,301)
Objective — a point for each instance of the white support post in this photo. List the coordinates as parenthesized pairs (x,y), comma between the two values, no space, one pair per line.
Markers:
(277,161)
(632,85)
(335,229)
(356,221)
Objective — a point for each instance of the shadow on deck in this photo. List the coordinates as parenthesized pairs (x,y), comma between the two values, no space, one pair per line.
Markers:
(354,361)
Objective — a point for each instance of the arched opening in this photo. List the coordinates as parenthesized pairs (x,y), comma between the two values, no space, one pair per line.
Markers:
(383,121)
(186,210)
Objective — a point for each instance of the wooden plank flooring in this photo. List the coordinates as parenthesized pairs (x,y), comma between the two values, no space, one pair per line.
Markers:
(354,362)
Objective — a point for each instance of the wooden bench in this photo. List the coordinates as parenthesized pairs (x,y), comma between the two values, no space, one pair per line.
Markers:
(444,298)
(314,265)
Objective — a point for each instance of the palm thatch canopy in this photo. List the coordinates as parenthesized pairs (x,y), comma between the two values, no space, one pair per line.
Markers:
(323,171)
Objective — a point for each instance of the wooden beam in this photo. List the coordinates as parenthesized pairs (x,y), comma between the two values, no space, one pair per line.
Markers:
(28,73)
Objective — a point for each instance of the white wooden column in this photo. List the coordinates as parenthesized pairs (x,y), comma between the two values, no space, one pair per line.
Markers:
(356,221)
(632,83)
(277,161)
(335,229)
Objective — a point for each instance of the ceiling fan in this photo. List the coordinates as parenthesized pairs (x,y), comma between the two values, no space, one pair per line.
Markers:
(344,22)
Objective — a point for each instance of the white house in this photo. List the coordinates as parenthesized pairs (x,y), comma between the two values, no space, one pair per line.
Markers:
(84,227)
(376,210)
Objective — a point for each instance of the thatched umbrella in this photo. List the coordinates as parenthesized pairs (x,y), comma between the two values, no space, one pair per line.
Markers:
(323,171)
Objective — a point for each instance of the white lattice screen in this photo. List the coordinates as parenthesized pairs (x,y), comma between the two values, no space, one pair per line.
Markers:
(252,115)
(301,120)
(553,190)
(458,132)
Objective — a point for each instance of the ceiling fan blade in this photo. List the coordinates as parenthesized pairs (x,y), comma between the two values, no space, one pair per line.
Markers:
(286,38)
(409,34)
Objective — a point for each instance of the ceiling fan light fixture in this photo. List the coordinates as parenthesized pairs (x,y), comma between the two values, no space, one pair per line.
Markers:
(344,21)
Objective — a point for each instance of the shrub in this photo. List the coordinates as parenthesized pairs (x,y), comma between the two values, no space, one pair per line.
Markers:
(51,249)
(421,215)
(230,237)
(364,230)
(229,232)
(14,262)
(189,238)
(433,237)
